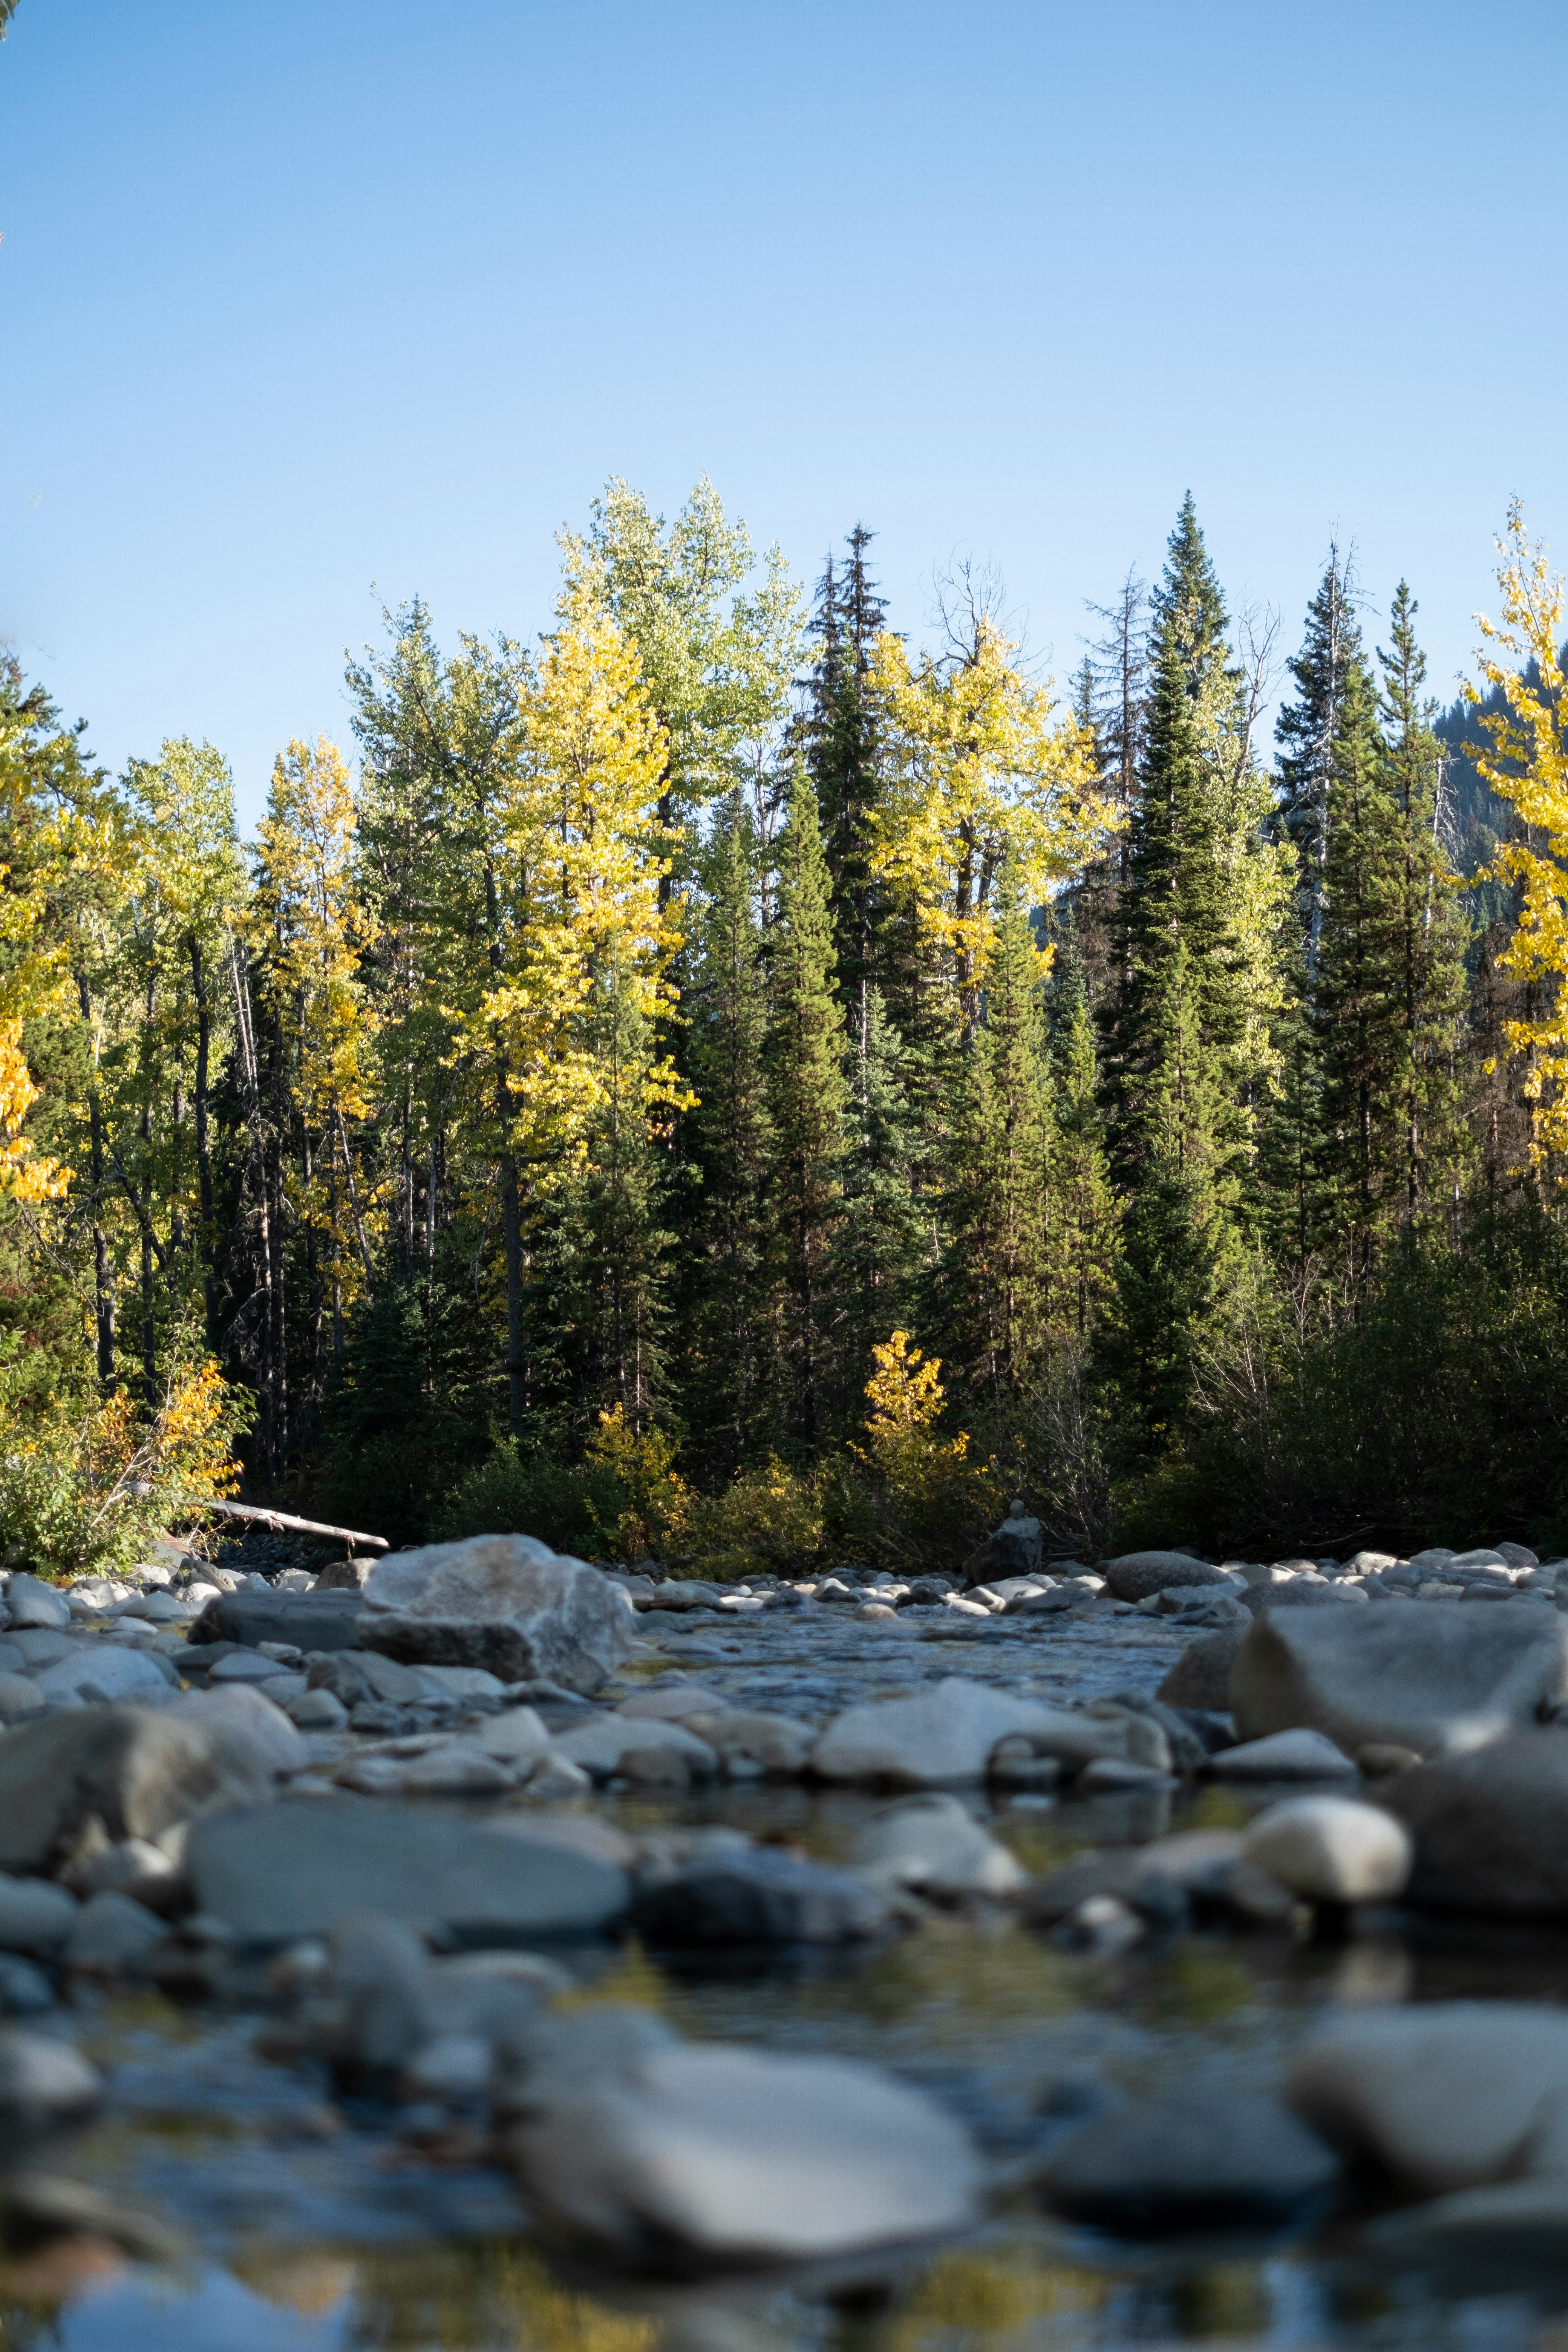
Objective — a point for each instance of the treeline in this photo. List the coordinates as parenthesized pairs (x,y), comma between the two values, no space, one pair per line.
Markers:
(558,1116)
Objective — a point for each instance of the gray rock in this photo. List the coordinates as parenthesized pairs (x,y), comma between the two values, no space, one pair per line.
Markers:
(933,1846)
(774,1745)
(449,1768)
(245,1666)
(139,1869)
(947,1732)
(762,1896)
(34,1915)
(25,1990)
(506,1604)
(1300,1593)
(316,1711)
(344,1576)
(249,1721)
(607,1745)
(135,1772)
(1332,1850)
(1437,1678)
(666,2158)
(310,1620)
(19,1696)
(30,1651)
(1283,1756)
(112,1936)
(276,1873)
(33,1603)
(1201,2159)
(98,1671)
(44,2083)
(1490,1828)
(671,1702)
(1015,1545)
(356,1676)
(1139,1573)
(1201,1675)
(1443,2095)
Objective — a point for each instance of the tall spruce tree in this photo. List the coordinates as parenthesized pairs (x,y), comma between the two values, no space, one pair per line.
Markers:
(1083,1205)
(724,1160)
(1329,668)
(841,747)
(807,1103)
(881,1238)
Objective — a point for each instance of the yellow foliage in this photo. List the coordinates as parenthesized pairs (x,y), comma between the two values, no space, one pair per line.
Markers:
(979,763)
(25,1174)
(906,1397)
(1527,764)
(658,1512)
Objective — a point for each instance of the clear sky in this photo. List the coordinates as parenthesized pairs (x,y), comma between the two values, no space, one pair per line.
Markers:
(313,304)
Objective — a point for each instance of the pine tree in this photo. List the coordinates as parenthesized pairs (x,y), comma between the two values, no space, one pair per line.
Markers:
(723,1307)
(1083,1205)
(807,1105)
(882,1236)
(842,752)
(1328,669)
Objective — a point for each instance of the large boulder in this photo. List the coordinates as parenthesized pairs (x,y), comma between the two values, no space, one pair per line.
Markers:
(31,1602)
(1203,2160)
(280,1872)
(1015,1545)
(1201,1675)
(506,1604)
(762,1896)
(310,1620)
(1491,1827)
(133,1771)
(1137,1574)
(103,1670)
(1441,2096)
(704,2153)
(1439,1678)
(948,1732)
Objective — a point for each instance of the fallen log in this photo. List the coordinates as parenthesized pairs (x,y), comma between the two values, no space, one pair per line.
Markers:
(284,1523)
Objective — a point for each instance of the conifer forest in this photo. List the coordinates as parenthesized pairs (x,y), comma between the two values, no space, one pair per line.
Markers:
(743,1071)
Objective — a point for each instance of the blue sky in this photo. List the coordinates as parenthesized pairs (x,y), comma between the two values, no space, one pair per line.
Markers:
(314,303)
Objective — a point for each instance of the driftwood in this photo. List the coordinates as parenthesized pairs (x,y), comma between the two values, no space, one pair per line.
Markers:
(284,1523)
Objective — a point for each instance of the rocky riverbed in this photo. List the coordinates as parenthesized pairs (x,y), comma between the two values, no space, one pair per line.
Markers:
(513,1950)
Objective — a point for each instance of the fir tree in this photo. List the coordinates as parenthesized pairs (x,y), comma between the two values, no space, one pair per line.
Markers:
(841,738)
(1083,1206)
(807,1103)
(881,1237)
(1329,666)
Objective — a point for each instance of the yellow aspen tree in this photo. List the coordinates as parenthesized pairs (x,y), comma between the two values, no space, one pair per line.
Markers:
(1525,762)
(580,855)
(979,760)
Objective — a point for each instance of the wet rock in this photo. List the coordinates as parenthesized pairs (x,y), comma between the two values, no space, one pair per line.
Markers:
(112,1936)
(1201,1675)
(1284,1756)
(1201,2159)
(672,1703)
(1509,2238)
(947,1733)
(1442,2096)
(309,1620)
(932,1846)
(44,2083)
(445,1768)
(249,1722)
(665,2160)
(1300,1593)
(25,1990)
(761,1894)
(247,1666)
(506,1604)
(1331,1850)
(775,1745)
(362,1676)
(1439,1679)
(1139,1573)
(134,1771)
(98,1671)
(1103,1925)
(1187,1746)
(34,1915)
(316,1711)
(277,1873)
(1014,1549)
(1106,1774)
(1490,1828)
(605,1745)
(30,1602)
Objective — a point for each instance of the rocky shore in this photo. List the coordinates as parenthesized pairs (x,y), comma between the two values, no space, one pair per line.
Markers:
(487,1855)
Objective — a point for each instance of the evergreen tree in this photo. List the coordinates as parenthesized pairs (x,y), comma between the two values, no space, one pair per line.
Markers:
(1083,1205)
(724,1160)
(1328,668)
(807,1105)
(842,753)
(882,1231)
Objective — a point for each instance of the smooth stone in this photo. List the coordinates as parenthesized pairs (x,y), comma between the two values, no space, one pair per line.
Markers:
(19,1696)
(35,1917)
(307,1621)
(1440,1679)
(1283,1756)
(1509,2237)
(32,1649)
(603,1745)
(1490,1828)
(316,1710)
(1201,1675)
(250,1717)
(455,1769)
(761,1894)
(775,1745)
(671,1702)
(1331,1850)
(31,1602)
(933,1846)
(356,1676)
(44,2082)
(513,1736)
(1444,2096)
(459,1681)
(112,1935)
(1137,1574)
(1016,1547)
(1105,1774)
(1299,1592)
(276,1873)
(1201,2159)
(505,1604)
(137,1771)
(669,2153)
(947,1732)
(245,1666)
(137,1868)
(96,1670)
(25,1990)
